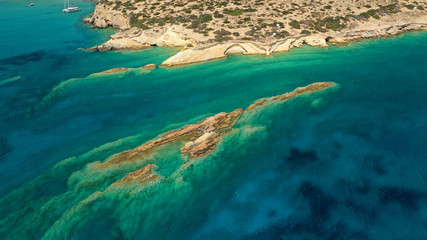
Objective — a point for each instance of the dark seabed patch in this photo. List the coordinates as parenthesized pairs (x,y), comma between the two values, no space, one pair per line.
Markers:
(319,203)
(23,58)
(345,187)
(296,158)
(405,197)
(290,229)
(299,157)
(315,223)
(5,148)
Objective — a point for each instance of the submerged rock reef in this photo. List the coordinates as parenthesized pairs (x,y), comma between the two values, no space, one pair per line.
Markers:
(83,189)
(112,73)
(201,138)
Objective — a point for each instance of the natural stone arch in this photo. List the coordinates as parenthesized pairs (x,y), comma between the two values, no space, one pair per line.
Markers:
(235,49)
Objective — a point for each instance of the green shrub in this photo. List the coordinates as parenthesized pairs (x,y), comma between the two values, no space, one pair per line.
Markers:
(236,12)
(295,24)
(222,38)
(331,23)
(372,12)
(218,15)
(305,32)
(194,24)
(206,18)
(135,22)
(249,10)
(222,32)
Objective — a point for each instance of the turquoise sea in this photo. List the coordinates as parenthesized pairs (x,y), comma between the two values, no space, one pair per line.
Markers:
(345,163)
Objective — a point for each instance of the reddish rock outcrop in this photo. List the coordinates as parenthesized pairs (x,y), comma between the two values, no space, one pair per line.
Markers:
(201,138)
(149,66)
(143,175)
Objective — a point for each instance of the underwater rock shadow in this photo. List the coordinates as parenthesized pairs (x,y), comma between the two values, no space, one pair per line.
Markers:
(315,225)
(320,204)
(111,74)
(297,158)
(406,198)
(23,58)
(5,148)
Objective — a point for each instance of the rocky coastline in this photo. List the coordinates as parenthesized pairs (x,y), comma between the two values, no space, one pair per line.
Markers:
(217,51)
(194,52)
(197,48)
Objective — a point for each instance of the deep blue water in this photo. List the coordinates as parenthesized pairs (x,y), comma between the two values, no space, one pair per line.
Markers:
(342,164)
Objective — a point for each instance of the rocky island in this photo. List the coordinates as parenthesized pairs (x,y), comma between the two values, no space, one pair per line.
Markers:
(213,29)
(201,138)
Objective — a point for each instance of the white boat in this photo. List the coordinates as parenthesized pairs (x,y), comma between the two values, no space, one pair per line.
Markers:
(70,8)
(31,4)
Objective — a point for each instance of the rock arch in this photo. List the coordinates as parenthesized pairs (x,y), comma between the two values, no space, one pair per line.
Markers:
(235,49)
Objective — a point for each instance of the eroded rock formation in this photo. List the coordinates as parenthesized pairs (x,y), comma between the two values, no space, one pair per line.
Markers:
(143,175)
(105,16)
(139,39)
(202,138)
(150,66)
(216,51)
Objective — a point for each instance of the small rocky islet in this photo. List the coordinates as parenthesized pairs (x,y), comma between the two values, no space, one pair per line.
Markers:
(201,138)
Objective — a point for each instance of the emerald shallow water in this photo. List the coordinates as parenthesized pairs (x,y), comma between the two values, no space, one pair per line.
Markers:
(342,164)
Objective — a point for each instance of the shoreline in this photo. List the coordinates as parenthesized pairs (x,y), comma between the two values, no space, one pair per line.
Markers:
(211,52)
(197,49)
(215,51)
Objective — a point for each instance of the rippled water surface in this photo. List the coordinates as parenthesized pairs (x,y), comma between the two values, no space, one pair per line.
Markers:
(347,163)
